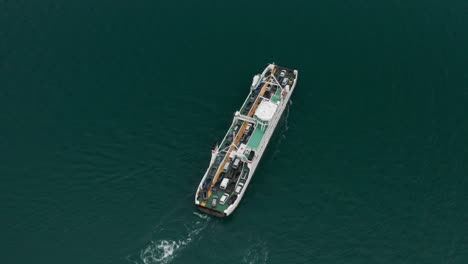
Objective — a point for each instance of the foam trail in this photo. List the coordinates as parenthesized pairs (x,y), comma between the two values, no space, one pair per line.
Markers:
(202,216)
(256,253)
(164,250)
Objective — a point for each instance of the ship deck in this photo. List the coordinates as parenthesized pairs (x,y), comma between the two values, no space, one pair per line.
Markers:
(256,138)
(263,90)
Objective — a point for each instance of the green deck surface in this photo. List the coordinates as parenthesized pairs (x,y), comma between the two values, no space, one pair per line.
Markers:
(253,143)
(276,97)
(256,137)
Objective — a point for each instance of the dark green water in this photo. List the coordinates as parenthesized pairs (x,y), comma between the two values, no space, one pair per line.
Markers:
(108,111)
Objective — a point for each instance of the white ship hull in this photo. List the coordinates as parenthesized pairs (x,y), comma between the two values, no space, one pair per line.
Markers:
(259,149)
(263,144)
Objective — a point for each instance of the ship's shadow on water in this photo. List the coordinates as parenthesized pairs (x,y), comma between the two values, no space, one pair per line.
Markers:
(169,239)
(280,134)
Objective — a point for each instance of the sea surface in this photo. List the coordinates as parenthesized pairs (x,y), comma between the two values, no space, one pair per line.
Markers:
(109,110)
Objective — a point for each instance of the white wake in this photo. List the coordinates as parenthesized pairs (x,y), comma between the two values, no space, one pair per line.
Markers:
(256,253)
(164,250)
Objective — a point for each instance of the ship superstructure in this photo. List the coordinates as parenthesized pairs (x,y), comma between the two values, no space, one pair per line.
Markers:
(234,160)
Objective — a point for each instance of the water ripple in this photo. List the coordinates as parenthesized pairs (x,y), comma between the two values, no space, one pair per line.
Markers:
(163,249)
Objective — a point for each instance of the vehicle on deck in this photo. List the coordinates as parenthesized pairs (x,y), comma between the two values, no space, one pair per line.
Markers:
(283,73)
(224,198)
(227,166)
(239,187)
(224,183)
(235,159)
(214,201)
(236,163)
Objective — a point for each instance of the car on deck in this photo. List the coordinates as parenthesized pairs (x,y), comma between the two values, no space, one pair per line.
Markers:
(224,198)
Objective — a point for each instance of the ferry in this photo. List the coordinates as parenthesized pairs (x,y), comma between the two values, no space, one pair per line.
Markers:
(234,160)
